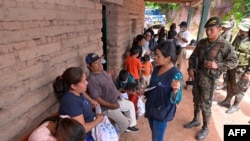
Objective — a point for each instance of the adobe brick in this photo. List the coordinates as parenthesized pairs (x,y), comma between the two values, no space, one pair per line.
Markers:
(1,14)
(63,57)
(85,4)
(94,16)
(7,60)
(10,36)
(8,131)
(74,41)
(98,6)
(57,30)
(15,91)
(33,52)
(29,14)
(11,25)
(72,15)
(24,104)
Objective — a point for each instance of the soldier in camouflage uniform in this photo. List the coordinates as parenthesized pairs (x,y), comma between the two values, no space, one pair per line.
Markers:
(238,78)
(214,56)
(227,35)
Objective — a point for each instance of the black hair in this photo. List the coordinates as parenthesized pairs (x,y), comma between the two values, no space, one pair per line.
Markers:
(172,34)
(146,58)
(134,50)
(162,33)
(131,86)
(168,49)
(137,39)
(193,42)
(123,75)
(67,129)
(173,26)
(62,84)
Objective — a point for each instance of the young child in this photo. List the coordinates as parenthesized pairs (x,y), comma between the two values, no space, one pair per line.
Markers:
(133,65)
(147,69)
(130,89)
(123,79)
(136,98)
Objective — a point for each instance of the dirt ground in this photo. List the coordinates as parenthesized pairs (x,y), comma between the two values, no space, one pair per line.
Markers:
(184,114)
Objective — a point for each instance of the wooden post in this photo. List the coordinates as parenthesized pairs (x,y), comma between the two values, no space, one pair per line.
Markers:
(190,15)
(204,17)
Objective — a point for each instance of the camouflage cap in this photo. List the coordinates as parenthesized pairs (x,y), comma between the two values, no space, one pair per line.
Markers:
(213,21)
(226,24)
(244,25)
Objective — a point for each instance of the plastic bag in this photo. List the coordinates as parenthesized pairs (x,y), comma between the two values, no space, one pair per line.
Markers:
(105,131)
(140,106)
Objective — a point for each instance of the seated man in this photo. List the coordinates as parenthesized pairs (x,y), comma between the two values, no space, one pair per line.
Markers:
(103,90)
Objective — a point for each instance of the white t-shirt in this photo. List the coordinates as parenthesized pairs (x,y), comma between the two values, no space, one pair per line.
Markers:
(42,133)
(145,48)
(186,35)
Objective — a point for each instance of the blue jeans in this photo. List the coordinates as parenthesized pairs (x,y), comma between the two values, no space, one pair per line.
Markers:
(158,129)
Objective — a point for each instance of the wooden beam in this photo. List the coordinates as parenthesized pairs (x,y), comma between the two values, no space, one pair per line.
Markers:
(196,3)
(169,1)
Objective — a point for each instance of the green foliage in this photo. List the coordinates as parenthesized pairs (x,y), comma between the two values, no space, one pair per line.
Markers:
(164,7)
(240,9)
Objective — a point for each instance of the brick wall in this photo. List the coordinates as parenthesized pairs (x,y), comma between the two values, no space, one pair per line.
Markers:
(124,23)
(39,39)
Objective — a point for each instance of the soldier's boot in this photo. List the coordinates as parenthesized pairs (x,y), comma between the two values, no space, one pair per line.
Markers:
(196,120)
(204,131)
(235,107)
(225,102)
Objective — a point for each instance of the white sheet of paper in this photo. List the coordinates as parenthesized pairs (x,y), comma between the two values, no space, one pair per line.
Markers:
(148,89)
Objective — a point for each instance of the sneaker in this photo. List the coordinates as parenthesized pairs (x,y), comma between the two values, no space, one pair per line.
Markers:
(132,129)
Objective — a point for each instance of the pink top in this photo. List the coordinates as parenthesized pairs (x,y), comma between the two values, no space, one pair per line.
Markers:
(42,133)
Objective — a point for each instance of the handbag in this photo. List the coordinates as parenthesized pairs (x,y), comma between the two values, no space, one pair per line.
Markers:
(105,131)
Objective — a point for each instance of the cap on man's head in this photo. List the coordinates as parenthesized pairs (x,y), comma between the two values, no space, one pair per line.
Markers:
(183,24)
(244,25)
(226,24)
(91,57)
(213,21)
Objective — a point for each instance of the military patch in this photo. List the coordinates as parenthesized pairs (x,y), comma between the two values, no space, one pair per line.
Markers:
(212,22)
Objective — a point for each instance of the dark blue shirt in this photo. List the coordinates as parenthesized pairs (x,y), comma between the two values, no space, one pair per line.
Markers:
(73,105)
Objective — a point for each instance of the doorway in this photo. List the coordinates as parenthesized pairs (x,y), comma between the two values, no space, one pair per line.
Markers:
(104,36)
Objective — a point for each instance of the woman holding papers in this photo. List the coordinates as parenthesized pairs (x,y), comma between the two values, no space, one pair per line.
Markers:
(164,91)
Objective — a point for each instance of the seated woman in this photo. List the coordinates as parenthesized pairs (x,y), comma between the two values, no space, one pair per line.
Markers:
(70,90)
(57,128)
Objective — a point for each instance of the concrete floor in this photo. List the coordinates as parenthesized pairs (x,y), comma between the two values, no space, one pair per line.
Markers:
(184,114)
